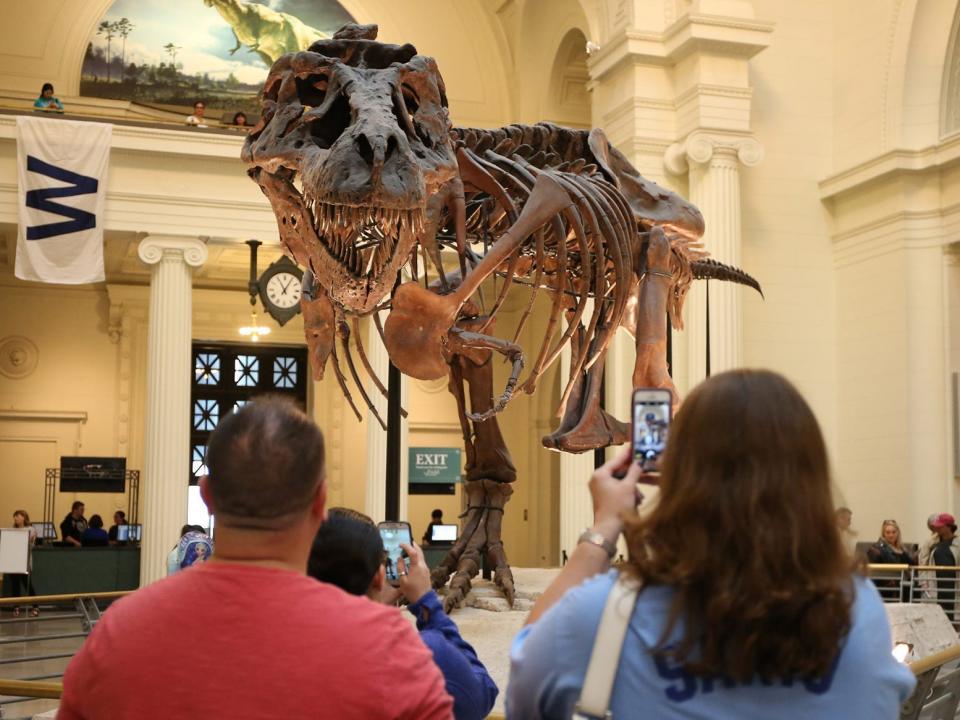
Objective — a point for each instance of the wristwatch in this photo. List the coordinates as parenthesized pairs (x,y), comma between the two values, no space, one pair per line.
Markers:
(595,538)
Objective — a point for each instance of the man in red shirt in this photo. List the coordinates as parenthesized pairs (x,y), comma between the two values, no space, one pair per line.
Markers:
(248,634)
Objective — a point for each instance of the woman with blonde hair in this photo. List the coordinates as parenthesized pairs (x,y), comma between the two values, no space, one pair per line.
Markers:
(889,550)
(747,605)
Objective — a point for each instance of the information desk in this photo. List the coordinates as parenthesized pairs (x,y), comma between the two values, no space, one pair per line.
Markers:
(66,570)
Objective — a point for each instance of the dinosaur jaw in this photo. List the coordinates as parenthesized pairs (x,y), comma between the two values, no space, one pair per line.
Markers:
(358,250)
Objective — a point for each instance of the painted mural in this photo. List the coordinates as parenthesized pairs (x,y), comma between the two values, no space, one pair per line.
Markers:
(169,53)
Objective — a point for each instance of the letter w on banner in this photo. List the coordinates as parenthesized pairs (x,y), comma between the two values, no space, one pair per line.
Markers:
(62,171)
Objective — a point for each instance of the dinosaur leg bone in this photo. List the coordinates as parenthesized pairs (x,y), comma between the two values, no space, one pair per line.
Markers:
(489,472)
(656,285)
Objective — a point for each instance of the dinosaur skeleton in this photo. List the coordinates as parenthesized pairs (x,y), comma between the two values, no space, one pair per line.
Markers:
(370,184)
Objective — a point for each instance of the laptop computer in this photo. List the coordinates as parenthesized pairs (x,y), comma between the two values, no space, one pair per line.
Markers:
(129,533)
(443,534)
(45,530)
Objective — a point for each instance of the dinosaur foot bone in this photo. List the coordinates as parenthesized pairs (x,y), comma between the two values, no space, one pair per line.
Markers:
(600,430)
(481,537)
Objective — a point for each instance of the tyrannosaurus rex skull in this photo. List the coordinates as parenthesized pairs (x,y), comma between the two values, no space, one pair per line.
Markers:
(353,139)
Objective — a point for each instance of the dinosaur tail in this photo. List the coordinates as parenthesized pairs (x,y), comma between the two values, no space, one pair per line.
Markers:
(709,269)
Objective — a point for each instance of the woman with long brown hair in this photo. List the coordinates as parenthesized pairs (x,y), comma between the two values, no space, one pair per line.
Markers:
(748,606)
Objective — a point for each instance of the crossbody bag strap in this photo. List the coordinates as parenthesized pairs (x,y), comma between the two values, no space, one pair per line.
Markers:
(605,658)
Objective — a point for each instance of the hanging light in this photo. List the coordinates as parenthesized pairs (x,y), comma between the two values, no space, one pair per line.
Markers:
(254,331)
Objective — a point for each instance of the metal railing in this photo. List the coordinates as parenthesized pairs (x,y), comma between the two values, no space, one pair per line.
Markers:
(938,686)
(21,653)
(920,584)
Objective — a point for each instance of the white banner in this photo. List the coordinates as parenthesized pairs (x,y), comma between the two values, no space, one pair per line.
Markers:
(62,173)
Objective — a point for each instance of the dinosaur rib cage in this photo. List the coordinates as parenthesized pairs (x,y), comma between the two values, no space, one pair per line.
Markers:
(588,250)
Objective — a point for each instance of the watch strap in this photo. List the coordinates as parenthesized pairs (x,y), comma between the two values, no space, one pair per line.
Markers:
(595,538)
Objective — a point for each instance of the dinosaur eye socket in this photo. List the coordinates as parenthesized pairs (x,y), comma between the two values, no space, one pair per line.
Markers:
(410,100)
(312,89)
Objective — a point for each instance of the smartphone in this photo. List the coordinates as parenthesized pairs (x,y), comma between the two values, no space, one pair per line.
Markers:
(652,409)
(392,534)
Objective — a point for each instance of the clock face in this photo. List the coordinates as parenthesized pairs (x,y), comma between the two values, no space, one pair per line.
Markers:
(283,290)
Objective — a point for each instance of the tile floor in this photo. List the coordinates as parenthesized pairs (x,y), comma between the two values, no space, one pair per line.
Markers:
(13,648)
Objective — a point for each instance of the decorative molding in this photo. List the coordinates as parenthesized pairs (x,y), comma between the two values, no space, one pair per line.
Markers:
(691,33)
(944,153)
(700,147)
(18,357)
(897,231)
(888,52)
(724,91)
(154,248)
(950,89)
(153,139)
(128,318)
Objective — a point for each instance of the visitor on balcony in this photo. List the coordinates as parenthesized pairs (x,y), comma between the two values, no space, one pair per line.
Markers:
(47,102)
(198,119)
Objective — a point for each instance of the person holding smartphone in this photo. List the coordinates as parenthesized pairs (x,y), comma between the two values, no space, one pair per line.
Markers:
(348,552)
(746,606)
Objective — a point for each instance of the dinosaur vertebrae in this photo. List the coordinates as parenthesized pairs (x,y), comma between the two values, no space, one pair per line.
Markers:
(545,146)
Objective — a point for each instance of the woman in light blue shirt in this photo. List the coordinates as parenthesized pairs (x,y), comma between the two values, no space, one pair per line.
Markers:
(47,101)
(750,608)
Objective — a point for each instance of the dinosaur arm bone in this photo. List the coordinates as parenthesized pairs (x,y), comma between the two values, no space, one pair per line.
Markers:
(460,341)
(416,329)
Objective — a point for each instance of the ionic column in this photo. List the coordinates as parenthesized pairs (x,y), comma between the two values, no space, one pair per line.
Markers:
(713,162)
(576,507)
(375,496)
(167,425)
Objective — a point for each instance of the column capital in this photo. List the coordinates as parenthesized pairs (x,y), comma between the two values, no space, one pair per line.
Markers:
(153,248)
(701,146)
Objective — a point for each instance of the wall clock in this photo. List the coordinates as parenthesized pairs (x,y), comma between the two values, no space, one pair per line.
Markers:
(280,287)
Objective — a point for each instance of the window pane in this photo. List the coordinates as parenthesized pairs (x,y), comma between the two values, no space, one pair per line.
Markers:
(246,370)
(285,372)
(206,414)
(197,461)
(239,404)
(206,369)
(197,510)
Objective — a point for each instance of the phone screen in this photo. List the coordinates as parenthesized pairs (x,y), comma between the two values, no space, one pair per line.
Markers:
(651,422)
(392,534)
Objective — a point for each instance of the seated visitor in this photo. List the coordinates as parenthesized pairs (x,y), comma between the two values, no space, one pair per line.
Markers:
(198,119)
(746,605)
(47,102)
(275,643)
(348,553)
(73,525)
(20,583)
(239,120)
(436,518)
(119,518)
(95,535)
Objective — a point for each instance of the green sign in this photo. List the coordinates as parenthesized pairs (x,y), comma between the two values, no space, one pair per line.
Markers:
(434,465)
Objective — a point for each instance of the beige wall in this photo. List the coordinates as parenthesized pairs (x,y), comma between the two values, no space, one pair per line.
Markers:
(844,222)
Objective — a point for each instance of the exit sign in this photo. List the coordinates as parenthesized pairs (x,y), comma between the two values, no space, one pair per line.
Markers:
(434,465)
